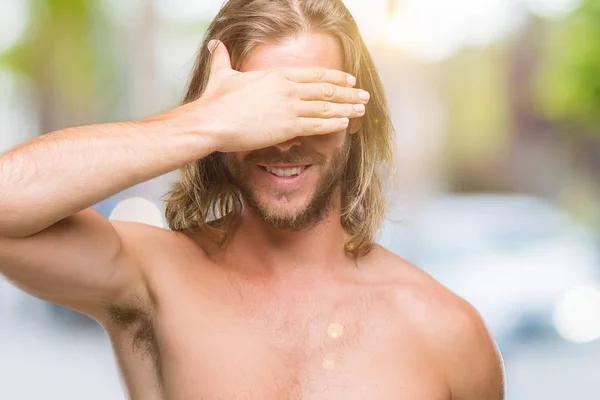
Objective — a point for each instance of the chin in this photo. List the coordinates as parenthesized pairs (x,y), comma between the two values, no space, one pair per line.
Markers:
(296,207)
(283,207)
(283,214)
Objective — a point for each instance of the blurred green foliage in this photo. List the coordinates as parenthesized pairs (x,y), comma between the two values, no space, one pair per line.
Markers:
(568,84)
(476,93)
(66,50)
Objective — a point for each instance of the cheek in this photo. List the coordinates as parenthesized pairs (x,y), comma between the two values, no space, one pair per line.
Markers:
(328,144)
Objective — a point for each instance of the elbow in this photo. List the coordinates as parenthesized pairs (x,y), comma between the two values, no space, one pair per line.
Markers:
(13,226)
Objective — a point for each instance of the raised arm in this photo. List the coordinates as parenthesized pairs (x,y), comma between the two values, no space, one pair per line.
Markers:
(53,246)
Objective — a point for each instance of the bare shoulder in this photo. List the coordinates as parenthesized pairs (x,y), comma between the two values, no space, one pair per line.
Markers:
(158,251)
(149,243)
(151,250)
(453,329)
(414,290)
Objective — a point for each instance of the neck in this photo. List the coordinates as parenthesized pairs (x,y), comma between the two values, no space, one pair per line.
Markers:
(315,251)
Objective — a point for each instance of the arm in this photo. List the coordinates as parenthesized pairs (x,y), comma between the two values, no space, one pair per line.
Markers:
(54,247)
(474,365)
(59,174)
(51,244)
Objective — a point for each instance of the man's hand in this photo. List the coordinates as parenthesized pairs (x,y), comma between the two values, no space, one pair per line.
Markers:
(252,110)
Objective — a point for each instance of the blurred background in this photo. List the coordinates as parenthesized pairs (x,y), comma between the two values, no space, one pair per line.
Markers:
(496,105)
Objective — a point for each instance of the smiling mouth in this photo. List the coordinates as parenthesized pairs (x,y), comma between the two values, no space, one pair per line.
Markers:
(285,172)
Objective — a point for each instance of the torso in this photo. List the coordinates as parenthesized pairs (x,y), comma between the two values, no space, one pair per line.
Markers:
(213,333)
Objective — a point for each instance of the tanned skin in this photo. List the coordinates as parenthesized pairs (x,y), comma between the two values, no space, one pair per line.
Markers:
(275,314)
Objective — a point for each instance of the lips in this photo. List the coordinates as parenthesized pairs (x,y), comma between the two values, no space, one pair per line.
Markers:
(285,171)
(289,176)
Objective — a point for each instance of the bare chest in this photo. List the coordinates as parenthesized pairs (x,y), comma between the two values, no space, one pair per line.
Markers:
(232,345)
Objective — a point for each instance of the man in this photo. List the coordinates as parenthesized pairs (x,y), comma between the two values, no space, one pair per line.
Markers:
(269,285)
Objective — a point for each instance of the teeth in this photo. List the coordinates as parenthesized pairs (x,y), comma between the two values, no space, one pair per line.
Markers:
(284,172)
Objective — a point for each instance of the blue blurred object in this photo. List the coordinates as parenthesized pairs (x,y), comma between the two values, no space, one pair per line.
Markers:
(512,256)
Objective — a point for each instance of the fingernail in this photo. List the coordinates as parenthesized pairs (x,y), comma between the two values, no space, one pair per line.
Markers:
(212,45)
(364,95)
(345,121)
(359,108)
(351,80)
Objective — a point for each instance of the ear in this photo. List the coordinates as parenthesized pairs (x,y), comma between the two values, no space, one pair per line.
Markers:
(355,125)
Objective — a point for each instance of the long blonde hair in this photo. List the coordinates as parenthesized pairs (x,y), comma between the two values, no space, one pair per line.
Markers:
(204,190)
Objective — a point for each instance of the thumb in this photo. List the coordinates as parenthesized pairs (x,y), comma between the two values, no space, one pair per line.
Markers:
(220,57)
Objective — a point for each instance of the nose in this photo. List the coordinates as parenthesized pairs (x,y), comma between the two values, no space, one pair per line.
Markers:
(287,145)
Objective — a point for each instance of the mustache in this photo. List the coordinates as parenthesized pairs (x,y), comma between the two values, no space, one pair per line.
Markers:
(289,157)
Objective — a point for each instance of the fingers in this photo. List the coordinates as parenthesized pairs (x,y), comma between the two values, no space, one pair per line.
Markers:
(323,109)
(220,57)
(318,74)
(321,126)
(332,93)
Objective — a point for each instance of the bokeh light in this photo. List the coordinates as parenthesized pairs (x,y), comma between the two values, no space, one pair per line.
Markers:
(552,8)
(577,315)
(13,22)
(137,209)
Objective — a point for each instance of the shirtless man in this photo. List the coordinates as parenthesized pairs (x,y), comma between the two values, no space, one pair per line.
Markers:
(269,284)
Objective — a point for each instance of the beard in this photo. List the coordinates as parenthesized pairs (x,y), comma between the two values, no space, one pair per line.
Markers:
(321,203)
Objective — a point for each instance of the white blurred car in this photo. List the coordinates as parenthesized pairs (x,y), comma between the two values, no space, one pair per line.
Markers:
(512,257)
